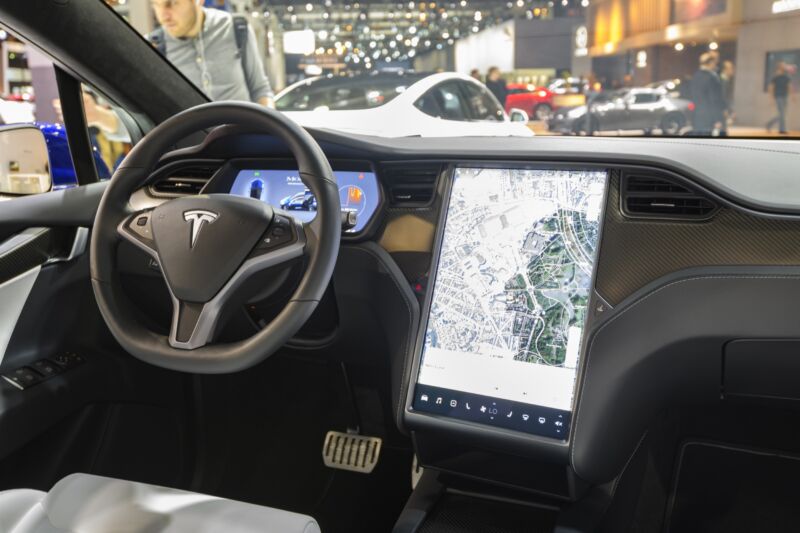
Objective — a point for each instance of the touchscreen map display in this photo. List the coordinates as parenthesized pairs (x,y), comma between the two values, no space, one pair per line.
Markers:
(283,189)
(510,297)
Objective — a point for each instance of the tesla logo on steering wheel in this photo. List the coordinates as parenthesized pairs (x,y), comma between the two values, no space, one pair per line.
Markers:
(198,219)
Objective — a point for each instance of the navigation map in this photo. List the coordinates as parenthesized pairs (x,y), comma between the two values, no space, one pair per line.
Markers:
(513,283)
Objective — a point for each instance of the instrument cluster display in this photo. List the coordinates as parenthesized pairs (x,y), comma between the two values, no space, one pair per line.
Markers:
(283,189)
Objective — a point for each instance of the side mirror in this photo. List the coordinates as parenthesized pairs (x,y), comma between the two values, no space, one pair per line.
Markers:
(24,163)
(518,115)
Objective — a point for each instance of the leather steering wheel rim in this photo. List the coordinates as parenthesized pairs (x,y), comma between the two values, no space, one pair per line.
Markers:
(320,240)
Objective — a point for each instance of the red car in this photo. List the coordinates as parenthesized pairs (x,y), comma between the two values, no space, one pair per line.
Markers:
(536,101)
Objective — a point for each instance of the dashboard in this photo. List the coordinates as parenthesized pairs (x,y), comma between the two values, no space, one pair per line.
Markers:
(538,308)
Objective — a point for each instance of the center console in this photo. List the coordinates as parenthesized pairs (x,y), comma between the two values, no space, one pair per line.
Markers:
(498,354)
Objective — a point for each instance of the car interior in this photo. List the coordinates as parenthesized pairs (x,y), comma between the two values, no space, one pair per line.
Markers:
(178,352)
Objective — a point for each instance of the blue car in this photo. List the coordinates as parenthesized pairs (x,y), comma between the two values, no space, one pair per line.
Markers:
(62,170)
(301,201)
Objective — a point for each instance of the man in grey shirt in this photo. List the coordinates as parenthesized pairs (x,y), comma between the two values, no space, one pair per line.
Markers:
(201,43)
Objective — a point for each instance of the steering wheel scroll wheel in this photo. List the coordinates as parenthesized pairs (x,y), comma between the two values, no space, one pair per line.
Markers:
(208,245)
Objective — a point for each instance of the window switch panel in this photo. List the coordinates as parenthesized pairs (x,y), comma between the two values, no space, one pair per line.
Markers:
(24,377)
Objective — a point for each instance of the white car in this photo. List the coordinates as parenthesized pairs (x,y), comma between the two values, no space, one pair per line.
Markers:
(398,104)
(12,112)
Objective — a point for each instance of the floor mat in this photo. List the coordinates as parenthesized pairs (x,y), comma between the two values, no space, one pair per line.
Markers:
(368,503)
(732,490)
(264,433)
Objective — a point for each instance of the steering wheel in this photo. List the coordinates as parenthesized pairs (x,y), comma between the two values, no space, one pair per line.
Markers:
(207,246)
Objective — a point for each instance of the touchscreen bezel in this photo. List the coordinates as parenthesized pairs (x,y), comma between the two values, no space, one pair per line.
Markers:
(474,432)
(223,179)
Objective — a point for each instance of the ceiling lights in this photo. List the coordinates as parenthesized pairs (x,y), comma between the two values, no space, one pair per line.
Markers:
(405,29)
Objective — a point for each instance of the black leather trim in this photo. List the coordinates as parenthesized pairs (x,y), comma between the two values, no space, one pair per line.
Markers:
(736,169)
(68,207)
(664,347)
(401,329)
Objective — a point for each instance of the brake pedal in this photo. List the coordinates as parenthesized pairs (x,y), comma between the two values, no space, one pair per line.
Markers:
(347,451)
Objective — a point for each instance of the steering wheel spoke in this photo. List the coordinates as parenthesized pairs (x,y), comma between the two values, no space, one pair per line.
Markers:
(194,324)
(138,230)
(284,240)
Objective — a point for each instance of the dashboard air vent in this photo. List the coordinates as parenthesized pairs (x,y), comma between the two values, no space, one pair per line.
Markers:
(411,194)
(412,185)
(659,197)
(185,181)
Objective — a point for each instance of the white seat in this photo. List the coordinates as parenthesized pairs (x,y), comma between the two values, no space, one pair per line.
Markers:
(82,503)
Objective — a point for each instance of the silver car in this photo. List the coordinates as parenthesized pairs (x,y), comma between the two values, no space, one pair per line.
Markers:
(642,109)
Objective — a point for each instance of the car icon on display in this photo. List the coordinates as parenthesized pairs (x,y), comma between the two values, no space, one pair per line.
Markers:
(256,189)
(301,201)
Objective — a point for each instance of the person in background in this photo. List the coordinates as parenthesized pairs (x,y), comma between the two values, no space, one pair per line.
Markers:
(589,86)
(497,85)
(709,102)
(780,87)
(204,45)
(114,143)
(476,74)
(714,55)
(727,76)
(627,80)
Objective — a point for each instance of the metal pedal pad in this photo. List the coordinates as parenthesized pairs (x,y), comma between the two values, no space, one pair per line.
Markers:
(351,452)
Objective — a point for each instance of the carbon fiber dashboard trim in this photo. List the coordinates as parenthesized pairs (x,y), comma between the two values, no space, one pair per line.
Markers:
(45,245)
(635,252)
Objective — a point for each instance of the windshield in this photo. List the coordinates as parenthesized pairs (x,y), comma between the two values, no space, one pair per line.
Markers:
(701,68)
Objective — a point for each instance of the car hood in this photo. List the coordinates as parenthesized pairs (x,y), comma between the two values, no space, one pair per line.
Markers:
(359,122)
(388,122)
(564,112)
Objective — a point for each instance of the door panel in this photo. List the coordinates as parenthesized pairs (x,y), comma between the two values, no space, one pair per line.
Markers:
(21,259)
(58,317)
(47,311)
(14,293)
(70,208)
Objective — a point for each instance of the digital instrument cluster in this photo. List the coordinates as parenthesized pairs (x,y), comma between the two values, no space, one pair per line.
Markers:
(283,189)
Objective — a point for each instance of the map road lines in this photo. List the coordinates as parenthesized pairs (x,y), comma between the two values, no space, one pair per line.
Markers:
(515,269)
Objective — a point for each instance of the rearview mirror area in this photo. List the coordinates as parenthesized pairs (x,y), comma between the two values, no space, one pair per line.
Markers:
(24,161)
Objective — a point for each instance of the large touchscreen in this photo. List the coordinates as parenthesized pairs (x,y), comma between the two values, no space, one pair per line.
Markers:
(510,295)
(283,189)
